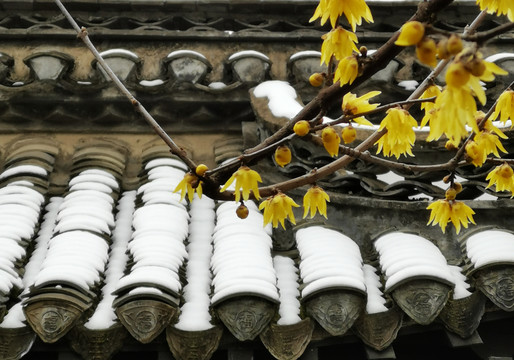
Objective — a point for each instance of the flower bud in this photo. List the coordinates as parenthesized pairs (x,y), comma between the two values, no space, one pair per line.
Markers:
(349,134)
(201,169)
(316,79)
(450,194)
(442,49)
(301,128)
(454,45)
(457,186)
(331,140)
(426,51)
(282,155)
(242,211)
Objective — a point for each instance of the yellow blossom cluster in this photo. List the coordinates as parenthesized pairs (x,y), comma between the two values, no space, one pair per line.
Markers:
(498,7)
(354,10)
(448,209)
(502,177)
(400,136)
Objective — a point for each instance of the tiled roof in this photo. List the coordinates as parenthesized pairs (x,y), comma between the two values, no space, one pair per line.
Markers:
(97,255)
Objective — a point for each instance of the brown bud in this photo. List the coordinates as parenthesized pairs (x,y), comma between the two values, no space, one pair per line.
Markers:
(242,211)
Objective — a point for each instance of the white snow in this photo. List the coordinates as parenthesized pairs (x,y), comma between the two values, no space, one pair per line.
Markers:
(329,260)
(404,256)
(15,318)
(490,247)
(248,53)
(25,169)
(461,286)
(150,83)
(118,52)
(160,228)
(410,85)
(376,301)
(241,261)
(281,98)
(179,53)
(104,315)
(499,56)
(217,85)
(287,284)
(307,53)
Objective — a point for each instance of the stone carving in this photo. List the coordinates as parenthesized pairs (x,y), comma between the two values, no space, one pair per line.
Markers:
(337,310)
(193,345)
(14,343)
(379,330)
(497,284)
(146,319)
(97,344)
(462,316)
(422,300)
(288,342)
(246,317)
(52,316)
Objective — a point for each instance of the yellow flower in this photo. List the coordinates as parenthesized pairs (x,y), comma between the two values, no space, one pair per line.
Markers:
(354,10)
(457,75)
(453,109)
(498,7)
(353,105)
(301,128)
(315,199)
(331,140)
(201,169)
(475,153)
(338,42)
(246,180)
(503,177)
(277,208)
(282,155)
(400,134)
(349,134)
(426,51)
(189,184)
(505,107)
(490,143)
(444,211)
(316,79)
(347,70)
(411,33)
(431,91)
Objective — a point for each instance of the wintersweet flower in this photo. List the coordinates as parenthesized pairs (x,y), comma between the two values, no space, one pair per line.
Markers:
(426,51)
(505,107)
(444,211)
(331,140)
(347,70)
(246,180)
(400,134)
(302,128)
(475,153)
(188,185)
(338,42)
(454,108)
(431,91)
(315,199)
(277,208)
(354,10)
(411,33)
(498,7)
(502,177)
(353,105)
(349,134)
(282,155)
(490,143)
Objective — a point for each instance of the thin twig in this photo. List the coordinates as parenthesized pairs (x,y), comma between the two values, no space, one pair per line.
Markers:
(82,34)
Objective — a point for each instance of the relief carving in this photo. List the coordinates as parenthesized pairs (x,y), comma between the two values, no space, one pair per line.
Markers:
(52,319)
(422,300)
(97,344)
(246,317)
(193,345)
(498,285)
(288,342)
(379,330)
(462,316)
(146,319)
(336,311)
